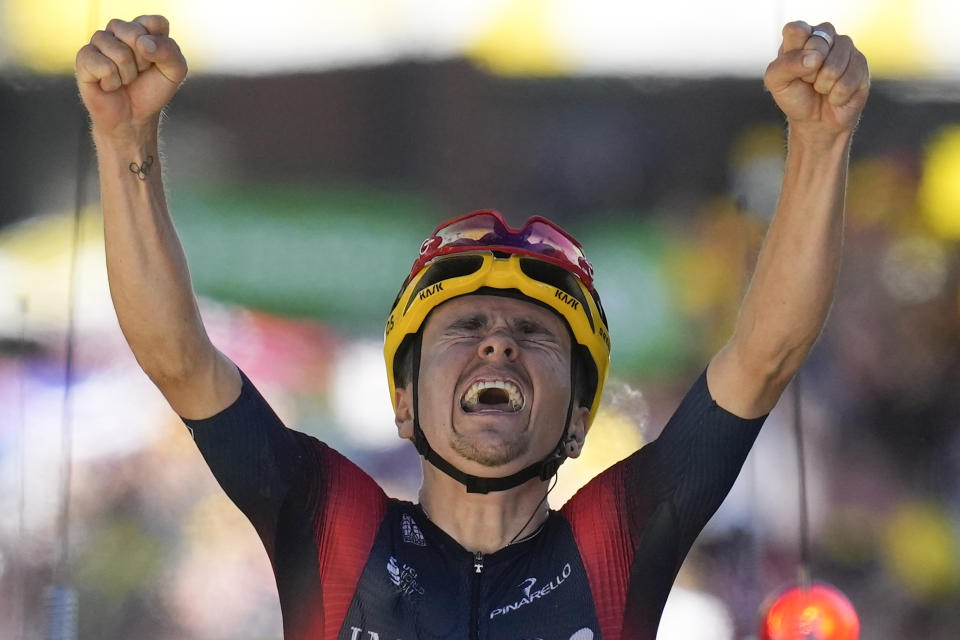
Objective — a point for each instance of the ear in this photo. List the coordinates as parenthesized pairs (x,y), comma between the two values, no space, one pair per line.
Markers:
(577,432)
(403,416)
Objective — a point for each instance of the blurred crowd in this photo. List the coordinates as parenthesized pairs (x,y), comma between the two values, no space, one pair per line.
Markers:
(156,551)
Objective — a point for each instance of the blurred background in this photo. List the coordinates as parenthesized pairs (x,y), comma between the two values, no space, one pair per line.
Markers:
(316,144)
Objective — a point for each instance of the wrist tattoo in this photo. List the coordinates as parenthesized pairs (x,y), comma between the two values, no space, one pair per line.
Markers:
(142,170)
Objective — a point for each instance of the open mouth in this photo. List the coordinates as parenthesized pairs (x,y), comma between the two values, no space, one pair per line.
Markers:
(492,395)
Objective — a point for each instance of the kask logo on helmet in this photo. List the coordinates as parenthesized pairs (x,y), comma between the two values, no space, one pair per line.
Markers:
(566,299)
(429,291)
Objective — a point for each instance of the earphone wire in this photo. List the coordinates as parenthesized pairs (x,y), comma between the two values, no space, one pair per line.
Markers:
(534,514)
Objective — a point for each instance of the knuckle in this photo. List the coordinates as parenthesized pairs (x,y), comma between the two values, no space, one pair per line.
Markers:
(850,82)
(796,28)
(125,58)
(115,25)
(831,71)
(823,85)
(102,66)
(153,23)
(91,59)
(842,92)
(83,56)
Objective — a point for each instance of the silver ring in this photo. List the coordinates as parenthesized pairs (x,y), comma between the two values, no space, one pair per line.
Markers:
(826,37)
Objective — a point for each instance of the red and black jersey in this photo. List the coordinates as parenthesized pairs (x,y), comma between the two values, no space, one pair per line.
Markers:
(353,564)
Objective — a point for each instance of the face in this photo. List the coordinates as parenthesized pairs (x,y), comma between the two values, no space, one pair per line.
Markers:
(494,383)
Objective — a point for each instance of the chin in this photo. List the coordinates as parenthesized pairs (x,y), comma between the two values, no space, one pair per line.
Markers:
(491,451)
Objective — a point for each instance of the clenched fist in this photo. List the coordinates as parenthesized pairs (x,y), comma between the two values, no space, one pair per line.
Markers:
(127,73)
(820,82)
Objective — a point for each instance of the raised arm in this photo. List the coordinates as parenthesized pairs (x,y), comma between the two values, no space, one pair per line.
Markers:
(821,89)
(126,75)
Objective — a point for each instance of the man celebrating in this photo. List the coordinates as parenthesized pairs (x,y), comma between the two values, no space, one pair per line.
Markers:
(497,350)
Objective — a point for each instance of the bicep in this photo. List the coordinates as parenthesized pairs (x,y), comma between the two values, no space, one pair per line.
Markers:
(209,388)
(744,388)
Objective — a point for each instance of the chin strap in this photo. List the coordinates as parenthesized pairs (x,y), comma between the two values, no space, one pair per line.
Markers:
(545,468)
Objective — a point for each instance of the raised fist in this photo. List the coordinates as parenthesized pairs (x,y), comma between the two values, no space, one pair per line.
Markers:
(819,78)
(127,73)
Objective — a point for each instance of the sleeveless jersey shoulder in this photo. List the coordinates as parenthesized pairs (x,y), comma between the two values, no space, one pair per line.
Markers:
(635,522)
(316,512)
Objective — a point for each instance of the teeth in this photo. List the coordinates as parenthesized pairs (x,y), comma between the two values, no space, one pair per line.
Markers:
(472,396)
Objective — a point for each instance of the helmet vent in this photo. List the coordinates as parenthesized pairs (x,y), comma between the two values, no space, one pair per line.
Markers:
(452,267)
(557,277)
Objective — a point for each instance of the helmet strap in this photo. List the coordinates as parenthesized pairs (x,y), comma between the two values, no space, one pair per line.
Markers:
(545,468)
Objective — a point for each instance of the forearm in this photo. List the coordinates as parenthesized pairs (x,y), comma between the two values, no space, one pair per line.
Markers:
(146,266)
(793,285)
(820,81)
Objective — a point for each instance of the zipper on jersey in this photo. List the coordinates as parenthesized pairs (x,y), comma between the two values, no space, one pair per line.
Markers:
(475,596)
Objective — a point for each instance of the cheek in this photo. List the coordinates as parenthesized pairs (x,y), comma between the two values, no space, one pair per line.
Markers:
(434,409)
(437,384)
(555,382)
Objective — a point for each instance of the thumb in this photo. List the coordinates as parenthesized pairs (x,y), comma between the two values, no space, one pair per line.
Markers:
(791,66)
(165,54)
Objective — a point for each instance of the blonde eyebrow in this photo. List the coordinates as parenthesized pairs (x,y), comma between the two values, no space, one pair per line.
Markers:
(473,321)
(528,323)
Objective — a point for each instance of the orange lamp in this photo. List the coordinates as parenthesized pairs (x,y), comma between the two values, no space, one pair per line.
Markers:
(818,612)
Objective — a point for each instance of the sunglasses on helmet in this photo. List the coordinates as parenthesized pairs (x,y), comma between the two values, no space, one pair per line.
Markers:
(538,238)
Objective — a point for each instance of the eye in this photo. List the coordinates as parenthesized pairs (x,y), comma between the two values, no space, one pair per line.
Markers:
(532,329)
(467,325)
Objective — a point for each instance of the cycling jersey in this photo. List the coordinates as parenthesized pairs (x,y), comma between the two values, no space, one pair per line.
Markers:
(352,564)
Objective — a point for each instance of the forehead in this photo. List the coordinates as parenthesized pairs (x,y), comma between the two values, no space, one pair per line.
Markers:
(495,308)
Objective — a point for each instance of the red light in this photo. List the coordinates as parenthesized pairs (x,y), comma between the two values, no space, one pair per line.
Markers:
(820,612)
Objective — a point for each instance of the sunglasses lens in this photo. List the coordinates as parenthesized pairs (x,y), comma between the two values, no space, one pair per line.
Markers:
(479,230)
(487,230)
(549,241)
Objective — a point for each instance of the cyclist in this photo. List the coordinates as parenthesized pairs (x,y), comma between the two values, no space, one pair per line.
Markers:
(497,349)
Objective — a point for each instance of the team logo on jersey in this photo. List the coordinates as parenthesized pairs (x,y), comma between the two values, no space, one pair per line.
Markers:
(411,532)
(532,592)
(356,633)
(583,634)
(404,578)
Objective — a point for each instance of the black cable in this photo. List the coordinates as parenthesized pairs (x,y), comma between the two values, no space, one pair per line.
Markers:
(20,577)
(66,428)
(536,509)
(804,519)
(60,599)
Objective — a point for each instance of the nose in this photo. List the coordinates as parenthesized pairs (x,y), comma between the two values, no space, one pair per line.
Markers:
(498,344)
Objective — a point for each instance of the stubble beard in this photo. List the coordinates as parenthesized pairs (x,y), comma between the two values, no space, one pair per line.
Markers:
(490,454)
